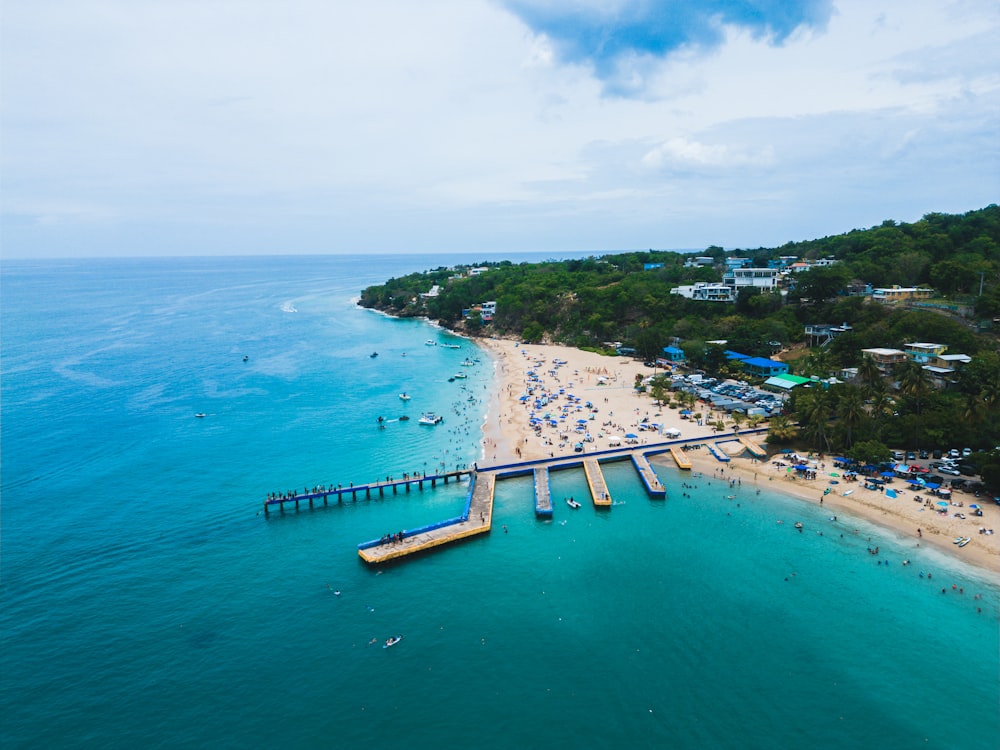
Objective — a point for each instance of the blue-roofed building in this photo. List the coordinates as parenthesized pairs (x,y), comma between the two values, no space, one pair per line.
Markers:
(764,367)
(673,354)
(731,355)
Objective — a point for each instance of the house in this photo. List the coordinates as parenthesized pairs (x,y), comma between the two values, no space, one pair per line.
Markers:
(700,260)
(673,354)
(821,334)
(705,292)
(651,266)
(478,271)
(925,353)
(896,294)
(734,262)
(488,310)
(885,359)
(757,278)
(434,291)
(766,368)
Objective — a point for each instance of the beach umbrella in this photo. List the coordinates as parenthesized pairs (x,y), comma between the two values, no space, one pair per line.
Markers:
(834,474)
(890,493)
(974,506)
(631,435)
(686,411)
(581,421)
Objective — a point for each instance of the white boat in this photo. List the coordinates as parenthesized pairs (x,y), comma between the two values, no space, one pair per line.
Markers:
(200,415)
(392,641)
(468,363)
(572,503)
(965,541)
(430,342)
(430,418)
(460,375)
(404,396)
(451,346)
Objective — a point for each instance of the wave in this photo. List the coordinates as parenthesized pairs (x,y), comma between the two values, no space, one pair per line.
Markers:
(288,307)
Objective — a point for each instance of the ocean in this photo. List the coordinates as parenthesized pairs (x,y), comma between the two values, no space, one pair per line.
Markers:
(148,602)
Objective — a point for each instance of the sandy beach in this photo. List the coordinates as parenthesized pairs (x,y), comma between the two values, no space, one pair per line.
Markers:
(617,411)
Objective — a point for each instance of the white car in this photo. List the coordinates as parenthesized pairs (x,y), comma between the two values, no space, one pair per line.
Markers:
(966,452)
(950,470)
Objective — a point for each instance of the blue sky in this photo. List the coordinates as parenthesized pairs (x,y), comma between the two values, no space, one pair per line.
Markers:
(245,127)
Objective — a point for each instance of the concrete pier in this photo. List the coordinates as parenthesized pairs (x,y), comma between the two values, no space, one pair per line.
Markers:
(543,496)
(595,478)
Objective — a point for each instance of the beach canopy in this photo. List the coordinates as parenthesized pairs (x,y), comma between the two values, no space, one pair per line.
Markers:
(800,467)
(888,474)
(942,502)
(974,506)
(686,411)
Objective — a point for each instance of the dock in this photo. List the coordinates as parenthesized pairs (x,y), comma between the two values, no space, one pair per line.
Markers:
(716,450)
(595,478)
(653,486)
(680,458)
(477,519)
(477,514)
(753,448)
(543,496)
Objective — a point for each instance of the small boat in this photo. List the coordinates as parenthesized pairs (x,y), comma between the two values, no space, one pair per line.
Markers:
(468,363)
(200,415)
(798,524)
(404,418)
(430,418)
(373,355)
(572,503)
(404,396)
(246,358)
(392,641)
(461,375)
(430,342)
(451,346)
(965,541)
(957,539)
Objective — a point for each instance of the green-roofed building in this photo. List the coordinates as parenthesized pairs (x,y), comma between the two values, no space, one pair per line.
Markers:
(785,382)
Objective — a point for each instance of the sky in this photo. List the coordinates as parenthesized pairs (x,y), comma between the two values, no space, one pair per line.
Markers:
(234,127)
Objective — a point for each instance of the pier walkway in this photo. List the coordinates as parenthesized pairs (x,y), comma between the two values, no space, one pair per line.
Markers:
(595,478)
(682,461)
(653,486)
(753,448)
(543,495)
(323,493)
(477,519)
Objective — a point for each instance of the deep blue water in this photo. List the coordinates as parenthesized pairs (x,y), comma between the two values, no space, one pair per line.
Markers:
(147,602)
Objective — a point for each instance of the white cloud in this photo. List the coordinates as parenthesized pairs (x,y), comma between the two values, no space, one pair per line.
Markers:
(449,124)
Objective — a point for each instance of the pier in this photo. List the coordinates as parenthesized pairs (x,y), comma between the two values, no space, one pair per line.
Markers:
(477,515)
(753,448)
(543,495)
(595,478)
(477,519)
(682,461)
(316,494)
(653,486)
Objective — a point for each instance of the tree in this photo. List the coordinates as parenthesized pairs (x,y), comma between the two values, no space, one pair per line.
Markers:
(851,408)
(869,452)
(737,419)
(781,431)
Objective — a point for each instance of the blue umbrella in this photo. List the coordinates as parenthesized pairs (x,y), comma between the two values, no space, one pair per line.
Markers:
(631,435)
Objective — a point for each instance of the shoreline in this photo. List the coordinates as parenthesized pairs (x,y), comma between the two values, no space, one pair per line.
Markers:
(618,410)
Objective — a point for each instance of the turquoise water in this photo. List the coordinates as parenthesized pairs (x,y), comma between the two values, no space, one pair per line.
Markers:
(147,602)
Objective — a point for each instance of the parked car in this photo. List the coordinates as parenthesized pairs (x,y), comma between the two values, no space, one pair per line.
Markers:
(924,454)
(949,471)
(969,470)
(953,453)
(911,456)
(936,454)
(966,452)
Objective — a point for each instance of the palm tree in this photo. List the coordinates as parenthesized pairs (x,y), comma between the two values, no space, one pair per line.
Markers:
(737,419)
(814,410)
(852,412)
(870,376)
(781,430)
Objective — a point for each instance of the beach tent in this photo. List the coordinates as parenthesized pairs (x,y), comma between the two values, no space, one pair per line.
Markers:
(614,440)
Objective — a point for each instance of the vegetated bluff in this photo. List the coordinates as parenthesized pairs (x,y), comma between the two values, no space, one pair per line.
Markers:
(620,297)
